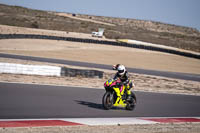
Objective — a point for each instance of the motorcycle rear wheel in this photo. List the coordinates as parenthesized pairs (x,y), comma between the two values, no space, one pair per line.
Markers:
(107,100)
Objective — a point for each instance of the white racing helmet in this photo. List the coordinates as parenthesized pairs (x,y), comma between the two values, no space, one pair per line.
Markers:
(121,69)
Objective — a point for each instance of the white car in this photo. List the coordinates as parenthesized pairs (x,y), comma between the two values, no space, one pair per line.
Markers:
(99,33)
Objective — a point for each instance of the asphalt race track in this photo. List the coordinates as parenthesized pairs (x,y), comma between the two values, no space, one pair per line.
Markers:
(185,76)
(18,101)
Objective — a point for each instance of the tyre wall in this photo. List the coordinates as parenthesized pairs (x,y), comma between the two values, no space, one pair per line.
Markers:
(32,36)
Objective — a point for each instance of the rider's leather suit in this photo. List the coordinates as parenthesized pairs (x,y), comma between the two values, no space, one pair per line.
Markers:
(125,81)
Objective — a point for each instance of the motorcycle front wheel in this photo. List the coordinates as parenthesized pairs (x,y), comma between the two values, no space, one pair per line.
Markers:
(107,100)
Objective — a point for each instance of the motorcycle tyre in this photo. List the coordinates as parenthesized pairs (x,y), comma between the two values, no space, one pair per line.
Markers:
(105,101)
(131,106)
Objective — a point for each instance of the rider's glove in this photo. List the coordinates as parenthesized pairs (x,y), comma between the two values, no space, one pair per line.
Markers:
(114,67)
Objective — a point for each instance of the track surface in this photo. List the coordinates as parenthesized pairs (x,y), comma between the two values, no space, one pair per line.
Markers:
(185,76)
(18,101)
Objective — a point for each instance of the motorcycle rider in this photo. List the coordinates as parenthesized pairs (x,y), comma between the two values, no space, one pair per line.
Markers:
(122,74)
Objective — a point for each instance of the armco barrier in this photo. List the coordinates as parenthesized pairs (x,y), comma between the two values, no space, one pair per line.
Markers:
(171,51)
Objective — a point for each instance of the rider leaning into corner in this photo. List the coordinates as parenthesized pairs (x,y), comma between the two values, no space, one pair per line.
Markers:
(122,74)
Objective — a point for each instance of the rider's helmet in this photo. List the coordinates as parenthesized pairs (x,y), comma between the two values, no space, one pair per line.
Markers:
(121,69)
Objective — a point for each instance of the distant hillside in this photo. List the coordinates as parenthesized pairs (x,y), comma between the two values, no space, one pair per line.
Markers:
(115,28)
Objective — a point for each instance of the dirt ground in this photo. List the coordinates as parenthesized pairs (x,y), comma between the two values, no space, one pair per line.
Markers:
(83,19)
(156,128)
(101,54)
(143,82)
(4,29)
(94,53)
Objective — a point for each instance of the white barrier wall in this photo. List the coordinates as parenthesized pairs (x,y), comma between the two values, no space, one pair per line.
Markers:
(30,69)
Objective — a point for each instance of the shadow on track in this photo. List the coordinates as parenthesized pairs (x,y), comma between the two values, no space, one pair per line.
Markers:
(90,104)
(97,106)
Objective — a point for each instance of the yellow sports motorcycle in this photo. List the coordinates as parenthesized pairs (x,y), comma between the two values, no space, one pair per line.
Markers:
(112,99)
